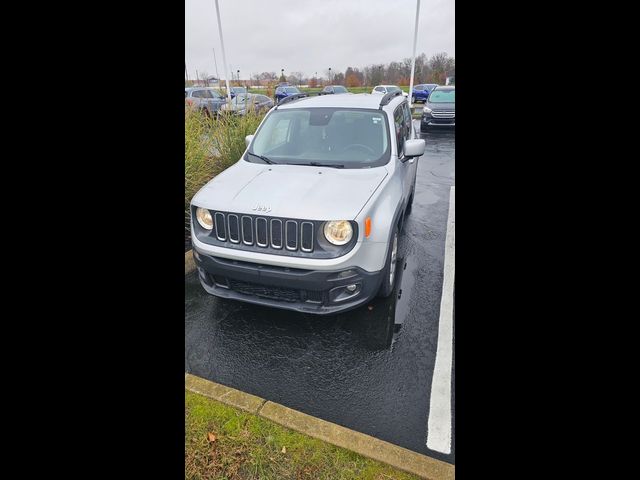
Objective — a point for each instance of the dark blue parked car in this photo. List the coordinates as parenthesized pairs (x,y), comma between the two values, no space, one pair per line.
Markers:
(284,92)
(421,92)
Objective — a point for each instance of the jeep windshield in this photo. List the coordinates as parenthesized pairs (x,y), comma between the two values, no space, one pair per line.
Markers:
(341,137)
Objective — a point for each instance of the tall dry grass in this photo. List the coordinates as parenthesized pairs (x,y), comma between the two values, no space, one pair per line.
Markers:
(210,146)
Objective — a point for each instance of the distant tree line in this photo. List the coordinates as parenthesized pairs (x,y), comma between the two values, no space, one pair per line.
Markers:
(434,69)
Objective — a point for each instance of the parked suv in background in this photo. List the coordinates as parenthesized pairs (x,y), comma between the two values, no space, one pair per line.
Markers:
(208,100)
(439,110)
(384,89)
(284,92)
(330,89)
(421,92)
(309,217)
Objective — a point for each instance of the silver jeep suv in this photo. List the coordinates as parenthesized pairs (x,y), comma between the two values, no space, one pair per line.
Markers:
(308,219)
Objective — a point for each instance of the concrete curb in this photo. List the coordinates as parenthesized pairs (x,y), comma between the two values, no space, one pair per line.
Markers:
(189,262)
(371,447)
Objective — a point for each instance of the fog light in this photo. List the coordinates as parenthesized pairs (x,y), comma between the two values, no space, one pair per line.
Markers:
(345,292)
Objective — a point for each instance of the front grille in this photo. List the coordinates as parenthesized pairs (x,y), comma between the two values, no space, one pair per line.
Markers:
(267,291)
(443,114)
(289,237)
(275,293)
(265,232)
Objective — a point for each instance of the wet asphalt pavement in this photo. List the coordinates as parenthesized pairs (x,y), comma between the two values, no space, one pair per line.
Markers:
(369,369)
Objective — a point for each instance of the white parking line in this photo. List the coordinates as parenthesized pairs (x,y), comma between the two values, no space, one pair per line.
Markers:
(439,423)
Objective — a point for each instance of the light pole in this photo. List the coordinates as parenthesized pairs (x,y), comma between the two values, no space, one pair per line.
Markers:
(238,77)
(413,59)
(224,57)
(282,74)
(329,75)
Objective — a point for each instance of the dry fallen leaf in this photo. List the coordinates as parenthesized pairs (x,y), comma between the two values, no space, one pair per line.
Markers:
(211,437)
(284,449)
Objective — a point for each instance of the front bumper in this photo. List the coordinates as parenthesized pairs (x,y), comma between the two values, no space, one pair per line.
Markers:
(431,122)
(308,291)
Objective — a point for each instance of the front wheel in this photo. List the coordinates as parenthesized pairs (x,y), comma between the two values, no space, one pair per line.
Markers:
(390,269)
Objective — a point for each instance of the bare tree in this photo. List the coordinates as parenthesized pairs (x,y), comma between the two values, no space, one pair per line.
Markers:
(296,78)
(441,66)
(204,76)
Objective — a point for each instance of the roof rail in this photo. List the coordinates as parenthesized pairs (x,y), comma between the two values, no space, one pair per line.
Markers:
(291,98)
(386,99)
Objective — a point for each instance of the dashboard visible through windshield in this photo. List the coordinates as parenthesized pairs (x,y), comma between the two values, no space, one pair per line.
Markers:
(344,138)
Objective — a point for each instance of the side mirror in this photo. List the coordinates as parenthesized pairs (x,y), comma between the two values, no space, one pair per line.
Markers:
(248,139)
(414,148)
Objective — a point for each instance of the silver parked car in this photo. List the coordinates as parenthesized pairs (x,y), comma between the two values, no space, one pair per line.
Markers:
(241,103)
(208,100)
(309,217)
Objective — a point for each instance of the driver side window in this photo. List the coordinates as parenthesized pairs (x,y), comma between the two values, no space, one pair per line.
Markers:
(402,121)
(398,120)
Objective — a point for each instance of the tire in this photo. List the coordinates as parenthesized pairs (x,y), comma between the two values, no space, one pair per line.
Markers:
(389,272)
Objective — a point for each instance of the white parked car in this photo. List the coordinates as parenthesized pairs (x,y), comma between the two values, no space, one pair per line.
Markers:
(382,89)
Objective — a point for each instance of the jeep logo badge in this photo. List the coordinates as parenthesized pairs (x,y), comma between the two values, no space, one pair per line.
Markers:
(262,208)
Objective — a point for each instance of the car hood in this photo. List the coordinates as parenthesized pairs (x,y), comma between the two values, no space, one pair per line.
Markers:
(291,191)
(441,106)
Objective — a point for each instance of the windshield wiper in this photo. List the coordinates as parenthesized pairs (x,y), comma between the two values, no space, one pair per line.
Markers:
(318,164)
(263,158)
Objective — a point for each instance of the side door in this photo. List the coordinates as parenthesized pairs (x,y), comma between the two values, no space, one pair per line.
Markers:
(208,100)
(404,132)
(217,100)
(196,95)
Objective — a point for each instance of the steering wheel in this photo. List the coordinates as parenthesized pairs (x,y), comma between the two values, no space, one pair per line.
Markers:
(360,146)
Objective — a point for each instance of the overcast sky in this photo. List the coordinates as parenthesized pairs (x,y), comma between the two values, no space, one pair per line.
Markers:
(310,36)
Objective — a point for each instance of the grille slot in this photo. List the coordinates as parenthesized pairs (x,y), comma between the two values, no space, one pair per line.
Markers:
(220,230)
(291,235)
(306,238)
(234,228)
(247,230)
(261,232)
(276,233)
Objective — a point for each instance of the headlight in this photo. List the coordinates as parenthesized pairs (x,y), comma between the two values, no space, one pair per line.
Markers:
(338,232)
(204,218)
(426,110)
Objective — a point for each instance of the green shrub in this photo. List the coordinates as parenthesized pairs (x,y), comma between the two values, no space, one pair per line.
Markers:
(210,146)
